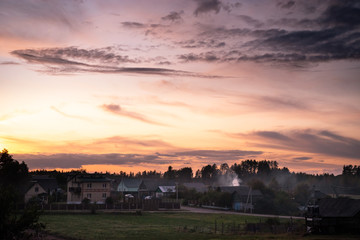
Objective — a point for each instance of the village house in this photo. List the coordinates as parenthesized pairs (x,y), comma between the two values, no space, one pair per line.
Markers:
(94,187)
(141,188)
(151,187)
(131,187)
(40,188)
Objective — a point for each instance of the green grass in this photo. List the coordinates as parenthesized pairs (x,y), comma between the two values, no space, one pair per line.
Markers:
(154,226)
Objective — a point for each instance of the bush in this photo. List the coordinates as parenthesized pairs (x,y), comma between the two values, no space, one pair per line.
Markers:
(109,201)
(13,226)
(85,201)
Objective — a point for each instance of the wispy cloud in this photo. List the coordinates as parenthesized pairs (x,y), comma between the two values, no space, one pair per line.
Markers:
(134,25)
(9,63)
(75,60)
(74,56)
(205,6)
(286,4)
(218,155)
(174,16)
(137,142)
(205,43)
(68,115)
(302,158)
(116,109)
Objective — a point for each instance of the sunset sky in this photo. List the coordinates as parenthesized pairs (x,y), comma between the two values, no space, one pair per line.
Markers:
(141,85)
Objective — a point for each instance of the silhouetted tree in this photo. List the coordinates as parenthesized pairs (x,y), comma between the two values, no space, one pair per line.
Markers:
(263,167)
(12,175)
(11,171)
(209,171)
(185,173)
(170,173)
(350,170)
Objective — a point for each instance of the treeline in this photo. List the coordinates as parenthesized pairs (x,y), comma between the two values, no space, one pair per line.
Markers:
(245,169)
(350,170)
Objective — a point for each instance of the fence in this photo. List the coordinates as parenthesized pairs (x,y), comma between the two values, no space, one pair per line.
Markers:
(145,205)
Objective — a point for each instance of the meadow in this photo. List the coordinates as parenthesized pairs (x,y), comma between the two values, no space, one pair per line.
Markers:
(169,225)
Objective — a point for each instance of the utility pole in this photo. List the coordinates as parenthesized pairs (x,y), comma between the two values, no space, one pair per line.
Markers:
(177,191)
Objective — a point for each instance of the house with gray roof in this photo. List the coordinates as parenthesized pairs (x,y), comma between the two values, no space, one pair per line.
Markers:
(40,188)
(131,186)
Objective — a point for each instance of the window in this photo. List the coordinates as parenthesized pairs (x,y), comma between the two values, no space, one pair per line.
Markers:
(89,185)
(88,196)
(36,189)
(104,195)
(104,185)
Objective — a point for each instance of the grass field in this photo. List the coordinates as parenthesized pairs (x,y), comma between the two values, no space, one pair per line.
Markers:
(177,225)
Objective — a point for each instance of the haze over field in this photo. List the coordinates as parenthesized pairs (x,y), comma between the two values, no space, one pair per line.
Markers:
(141,85)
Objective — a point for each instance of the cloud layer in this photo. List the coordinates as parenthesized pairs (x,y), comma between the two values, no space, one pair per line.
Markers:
(307,141)
(332,34)
(76,60)
(39,161)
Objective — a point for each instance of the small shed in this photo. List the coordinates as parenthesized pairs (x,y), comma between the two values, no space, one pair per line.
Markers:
(243,197)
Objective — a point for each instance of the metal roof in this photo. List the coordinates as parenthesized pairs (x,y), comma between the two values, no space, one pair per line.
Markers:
(167,189)
(339,207)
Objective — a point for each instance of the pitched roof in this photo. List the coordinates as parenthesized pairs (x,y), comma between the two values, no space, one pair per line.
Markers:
(152,184)
(241,190)
(167,189)
(89,178)
(131,182)
(339,207)
(46,182)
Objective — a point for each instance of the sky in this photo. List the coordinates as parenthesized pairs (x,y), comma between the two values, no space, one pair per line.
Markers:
(141,85)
